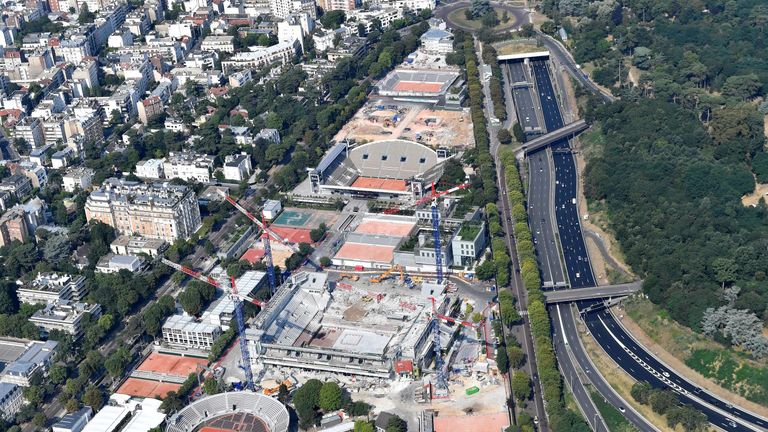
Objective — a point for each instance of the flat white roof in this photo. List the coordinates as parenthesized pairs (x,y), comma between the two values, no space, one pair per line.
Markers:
(148,417)
(361,341)
(107,420)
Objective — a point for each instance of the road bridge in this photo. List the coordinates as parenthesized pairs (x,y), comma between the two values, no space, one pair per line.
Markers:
(543,141)
(571,295)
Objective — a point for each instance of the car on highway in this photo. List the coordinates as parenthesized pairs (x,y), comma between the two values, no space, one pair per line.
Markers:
(622,409)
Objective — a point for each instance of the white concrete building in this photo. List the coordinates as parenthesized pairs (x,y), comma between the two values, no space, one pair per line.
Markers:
(188,166)
(150,169)
(35,360)
(135,245)
(271,209)
(50,288)
(218,44)
(437,41)
(78,178)
(74,421)
(237,167)
(282,53)
(64,316)
(111,263)
(186,332)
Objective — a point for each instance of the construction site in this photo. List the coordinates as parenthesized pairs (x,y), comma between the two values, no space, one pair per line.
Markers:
(436,128)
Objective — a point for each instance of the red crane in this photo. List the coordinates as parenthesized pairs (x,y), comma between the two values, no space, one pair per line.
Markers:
(211,281)
(427,198)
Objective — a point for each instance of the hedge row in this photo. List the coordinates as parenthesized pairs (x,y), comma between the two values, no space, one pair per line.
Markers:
(495,86)
(560,418)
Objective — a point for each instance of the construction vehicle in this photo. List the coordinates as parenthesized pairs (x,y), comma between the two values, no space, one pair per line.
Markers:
(270,390)
(237,298)
(349,276)
(388,272)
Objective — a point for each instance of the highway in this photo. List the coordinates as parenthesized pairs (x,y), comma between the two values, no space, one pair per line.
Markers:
(539,198)
(628,354)
(593,293)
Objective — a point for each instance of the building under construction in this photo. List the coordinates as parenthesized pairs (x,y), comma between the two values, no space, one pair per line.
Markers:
(348,330)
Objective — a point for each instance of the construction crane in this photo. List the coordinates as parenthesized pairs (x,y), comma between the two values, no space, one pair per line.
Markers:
(268,258)
(236,298)
(426,199)
(269,233)
(389,271)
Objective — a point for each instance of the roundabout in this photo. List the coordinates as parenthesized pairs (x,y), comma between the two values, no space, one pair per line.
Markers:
(453,15)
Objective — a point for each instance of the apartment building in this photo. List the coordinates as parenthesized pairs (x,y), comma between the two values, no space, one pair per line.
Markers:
(160,210)
(150,169)
(218,44)
(11,400)
(282,53)
(65,316)
(78,178)
(127,245)
(30,129)
(13,227)
(188,166)
(150,108)
(51,288)
(17,184)
(35,360)
(342,5)
(237,167)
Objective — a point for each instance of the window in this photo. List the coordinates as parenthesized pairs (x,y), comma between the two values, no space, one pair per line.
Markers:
(365,156)
(384,157)
(422,160)
(402,159)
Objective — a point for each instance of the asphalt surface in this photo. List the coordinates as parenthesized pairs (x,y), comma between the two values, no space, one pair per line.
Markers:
(619,345)
(544,239)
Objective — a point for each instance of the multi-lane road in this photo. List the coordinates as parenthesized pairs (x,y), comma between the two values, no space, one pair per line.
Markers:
(616,342)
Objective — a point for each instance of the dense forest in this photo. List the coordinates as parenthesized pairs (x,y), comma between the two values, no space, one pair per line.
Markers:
(682,145)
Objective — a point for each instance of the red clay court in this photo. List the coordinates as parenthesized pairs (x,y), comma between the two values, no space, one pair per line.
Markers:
(146,388)
(366,252)
(293,235)
(380,184)
(253,256)
(171,364)
(472,423)
(416,86)
(385,227)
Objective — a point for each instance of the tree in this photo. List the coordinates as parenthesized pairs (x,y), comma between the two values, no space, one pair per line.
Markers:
(480,8)
(359,408)
(116,363)
(396,424)
(662,401)
(364,426)
(516,356)
(56,248)
(486,270)
(72,405)
(333,19)
(517,131)
(40,420)
(330,396)
(325,261)
(85,16)
(504,136)
(305,400)
(502,362)
(34,395)
(94,397)
(282,393)
(58,374)
(521,385)
(725,270)
(211,386)
(741,86)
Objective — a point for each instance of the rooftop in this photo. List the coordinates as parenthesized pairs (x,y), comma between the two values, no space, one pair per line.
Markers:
(469,231)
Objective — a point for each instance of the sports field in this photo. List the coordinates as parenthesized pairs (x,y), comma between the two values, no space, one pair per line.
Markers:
(415,86)
(380,184)
(293,235)
(171,364)
(365,252)
(235,422)
(382,227)
(292,218)
(147,388)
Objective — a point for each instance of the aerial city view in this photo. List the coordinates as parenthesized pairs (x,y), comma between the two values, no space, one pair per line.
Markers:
(384,216)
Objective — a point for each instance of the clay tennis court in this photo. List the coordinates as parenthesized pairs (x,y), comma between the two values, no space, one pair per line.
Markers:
(379,183)
(293,235)
(472,423)
(416,86)
(366,252)
(171,364)
(146,388)
(383,227)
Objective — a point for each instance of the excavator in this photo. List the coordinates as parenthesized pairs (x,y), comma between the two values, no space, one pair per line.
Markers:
(388,272)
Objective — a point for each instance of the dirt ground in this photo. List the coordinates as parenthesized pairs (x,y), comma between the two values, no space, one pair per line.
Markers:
(436,128)
(761,191)
(645,340)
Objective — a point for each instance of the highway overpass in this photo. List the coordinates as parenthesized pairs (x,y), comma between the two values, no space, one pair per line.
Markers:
(571,295)
(543,141)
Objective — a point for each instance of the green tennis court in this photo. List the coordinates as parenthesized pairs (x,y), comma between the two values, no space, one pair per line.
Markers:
(292,218)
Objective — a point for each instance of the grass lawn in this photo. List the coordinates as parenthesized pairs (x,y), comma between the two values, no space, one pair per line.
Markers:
(612,417)
(461,20)
(517,48)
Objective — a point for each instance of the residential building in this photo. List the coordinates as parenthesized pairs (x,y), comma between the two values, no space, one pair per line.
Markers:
(150,169)
(17,184)
(34,172)
(40,155)
(30,129)
(36,360)
(271,135)
(62,158)
(282,53)
(188,166)
(218,44)
(111,263)
(65,316)
(186,332)
(280,8)
(150,108)
(237,167)
(11,401)
(162,211)
(74,421)
(384,18)
(78,178)
(134,245)
(13,227)
(52,287)
(342,5)
(72,50)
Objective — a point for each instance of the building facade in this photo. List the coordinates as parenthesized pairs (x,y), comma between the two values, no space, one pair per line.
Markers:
(64,316)
(160,211)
